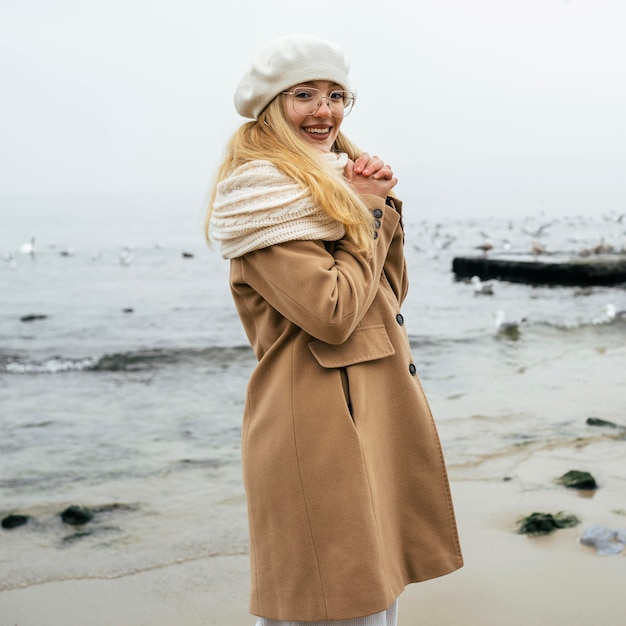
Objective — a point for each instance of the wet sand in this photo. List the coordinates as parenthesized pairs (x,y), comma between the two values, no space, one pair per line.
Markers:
(508,578)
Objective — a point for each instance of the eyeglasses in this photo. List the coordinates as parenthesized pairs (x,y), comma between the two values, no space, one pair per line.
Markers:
(307,100)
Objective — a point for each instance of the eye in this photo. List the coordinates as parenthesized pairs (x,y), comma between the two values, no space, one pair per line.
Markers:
(337,96)
(303,94)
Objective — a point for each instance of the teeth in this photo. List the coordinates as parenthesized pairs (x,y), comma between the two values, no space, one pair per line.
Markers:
(318,131)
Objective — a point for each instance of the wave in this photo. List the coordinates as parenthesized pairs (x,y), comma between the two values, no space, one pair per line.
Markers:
(225,356)
(132,361)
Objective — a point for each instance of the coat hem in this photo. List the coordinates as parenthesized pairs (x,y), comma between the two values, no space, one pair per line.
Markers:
(331,616)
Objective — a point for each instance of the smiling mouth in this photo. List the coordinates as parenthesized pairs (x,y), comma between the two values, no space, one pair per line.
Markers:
(317,131)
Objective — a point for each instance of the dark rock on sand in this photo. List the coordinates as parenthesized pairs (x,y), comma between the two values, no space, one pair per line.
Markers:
(597,421)
(77,515)
(575,479)
(13,521)
(545,523)
(33,317)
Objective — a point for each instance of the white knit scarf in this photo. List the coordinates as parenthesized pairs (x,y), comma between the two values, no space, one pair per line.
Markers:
(258,206)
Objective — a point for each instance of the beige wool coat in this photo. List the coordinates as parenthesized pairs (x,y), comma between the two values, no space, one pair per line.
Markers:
(347,490)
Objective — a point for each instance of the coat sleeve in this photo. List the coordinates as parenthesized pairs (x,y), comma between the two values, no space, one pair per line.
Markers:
(325,293)
(395,264)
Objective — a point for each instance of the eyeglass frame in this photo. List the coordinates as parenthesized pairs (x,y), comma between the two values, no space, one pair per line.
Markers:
(348,94)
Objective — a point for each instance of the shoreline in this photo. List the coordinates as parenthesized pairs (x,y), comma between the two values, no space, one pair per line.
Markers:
(507,578)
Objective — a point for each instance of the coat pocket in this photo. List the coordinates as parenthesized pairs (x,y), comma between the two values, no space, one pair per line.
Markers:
(367,343)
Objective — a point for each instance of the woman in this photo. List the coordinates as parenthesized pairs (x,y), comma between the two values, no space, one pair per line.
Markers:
(346,484)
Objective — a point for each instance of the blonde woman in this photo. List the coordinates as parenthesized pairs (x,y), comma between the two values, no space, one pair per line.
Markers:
(347,491)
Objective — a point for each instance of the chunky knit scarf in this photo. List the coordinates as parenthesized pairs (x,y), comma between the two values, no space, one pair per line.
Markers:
(258,206)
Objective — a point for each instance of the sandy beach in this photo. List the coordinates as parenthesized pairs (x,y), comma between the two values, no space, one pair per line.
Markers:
(508,578)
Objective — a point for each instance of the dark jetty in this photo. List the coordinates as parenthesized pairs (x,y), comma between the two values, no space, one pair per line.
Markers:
(565,270)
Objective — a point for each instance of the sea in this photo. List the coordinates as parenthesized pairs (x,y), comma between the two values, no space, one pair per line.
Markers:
(123,369)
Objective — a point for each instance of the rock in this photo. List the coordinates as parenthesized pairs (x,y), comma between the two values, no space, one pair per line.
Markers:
(13,521)
(545,523)
(77,515)
(605,540)
(575,479)
(32,317)
(596,421)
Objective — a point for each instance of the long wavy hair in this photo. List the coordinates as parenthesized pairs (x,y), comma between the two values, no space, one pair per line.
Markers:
(271,138)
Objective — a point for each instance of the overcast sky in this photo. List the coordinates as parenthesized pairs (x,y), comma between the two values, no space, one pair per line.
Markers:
(480,106)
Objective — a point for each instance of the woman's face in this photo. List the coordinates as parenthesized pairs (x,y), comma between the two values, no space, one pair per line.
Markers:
(320,127)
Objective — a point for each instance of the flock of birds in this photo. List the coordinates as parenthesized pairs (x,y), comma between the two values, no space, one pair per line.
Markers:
(480,287)
(535,234)
(571,236)
(512,326)
(126,256)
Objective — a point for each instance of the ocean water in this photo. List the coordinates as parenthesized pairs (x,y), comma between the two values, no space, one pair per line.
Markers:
(125,394)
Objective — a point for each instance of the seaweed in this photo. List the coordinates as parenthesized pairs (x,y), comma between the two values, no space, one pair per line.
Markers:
(545,523)
(575,479)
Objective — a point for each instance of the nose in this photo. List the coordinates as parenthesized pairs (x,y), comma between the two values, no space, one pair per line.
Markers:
(323,107)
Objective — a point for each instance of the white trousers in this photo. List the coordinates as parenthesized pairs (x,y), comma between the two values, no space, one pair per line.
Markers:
(384,618)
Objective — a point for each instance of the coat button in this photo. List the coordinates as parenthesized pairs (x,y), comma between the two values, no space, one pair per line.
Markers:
(400,319)
(378,213)
(375,235)
(377,223)
(412,369)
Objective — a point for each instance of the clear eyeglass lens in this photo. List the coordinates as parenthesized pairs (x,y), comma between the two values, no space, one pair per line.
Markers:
(308,101)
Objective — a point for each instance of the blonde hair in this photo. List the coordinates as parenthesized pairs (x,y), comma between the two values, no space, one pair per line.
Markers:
(271,138)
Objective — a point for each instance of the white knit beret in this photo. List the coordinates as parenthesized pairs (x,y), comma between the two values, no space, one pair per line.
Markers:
(285,62)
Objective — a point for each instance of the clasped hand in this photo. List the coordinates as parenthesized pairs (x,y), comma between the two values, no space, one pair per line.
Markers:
(370,175)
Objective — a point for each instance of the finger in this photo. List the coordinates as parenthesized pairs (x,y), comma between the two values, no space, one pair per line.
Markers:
(385,173)
(361,162)
(375,164)
(349,170)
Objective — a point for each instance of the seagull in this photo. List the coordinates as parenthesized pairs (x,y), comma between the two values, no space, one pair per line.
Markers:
(503,325)
(10,259)
(482,288)
(485,247)
(537,232)
(602,248)
(126,257)
(613,314)
(28,248)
